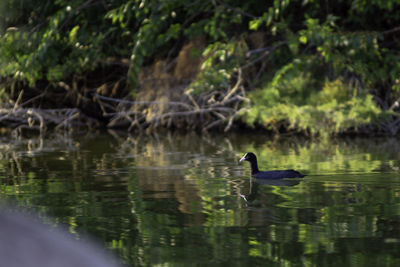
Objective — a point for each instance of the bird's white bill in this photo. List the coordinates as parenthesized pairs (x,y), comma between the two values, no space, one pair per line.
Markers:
(244,158)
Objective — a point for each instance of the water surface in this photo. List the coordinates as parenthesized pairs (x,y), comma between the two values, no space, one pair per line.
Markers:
(183,200)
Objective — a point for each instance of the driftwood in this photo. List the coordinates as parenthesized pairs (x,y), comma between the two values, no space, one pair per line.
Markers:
(203,112)
(206,111)
(42,119)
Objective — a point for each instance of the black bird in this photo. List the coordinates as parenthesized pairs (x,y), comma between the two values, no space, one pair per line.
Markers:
(249,156)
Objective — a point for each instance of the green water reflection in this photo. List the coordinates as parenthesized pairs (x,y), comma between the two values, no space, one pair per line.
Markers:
(183,200)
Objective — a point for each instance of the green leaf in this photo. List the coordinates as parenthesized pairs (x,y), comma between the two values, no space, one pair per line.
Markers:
(73,33)
(254,24)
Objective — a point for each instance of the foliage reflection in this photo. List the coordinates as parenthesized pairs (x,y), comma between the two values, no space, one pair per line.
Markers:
(184,199)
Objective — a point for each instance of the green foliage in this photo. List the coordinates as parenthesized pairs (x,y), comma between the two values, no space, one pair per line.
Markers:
(162,23)
(54,40)
(334,109)
(327,66)
(60,44)
(222,60)
(336,70)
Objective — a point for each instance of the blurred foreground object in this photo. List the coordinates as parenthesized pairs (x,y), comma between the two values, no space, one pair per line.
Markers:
(24,241)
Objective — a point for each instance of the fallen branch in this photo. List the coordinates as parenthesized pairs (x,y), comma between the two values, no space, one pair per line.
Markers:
(204,112)
(142,102)
(41,119)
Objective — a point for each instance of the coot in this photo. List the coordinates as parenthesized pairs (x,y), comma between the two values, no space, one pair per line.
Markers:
(268,174)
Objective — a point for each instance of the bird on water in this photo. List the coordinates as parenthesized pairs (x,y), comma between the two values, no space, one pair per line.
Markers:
(278,174)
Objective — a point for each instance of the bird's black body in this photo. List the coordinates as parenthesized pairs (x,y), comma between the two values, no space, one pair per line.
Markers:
(279,174)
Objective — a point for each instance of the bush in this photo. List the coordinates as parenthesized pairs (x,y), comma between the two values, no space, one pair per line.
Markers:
(321,67)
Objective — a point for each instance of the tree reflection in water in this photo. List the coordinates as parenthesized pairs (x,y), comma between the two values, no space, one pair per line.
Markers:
(177,199)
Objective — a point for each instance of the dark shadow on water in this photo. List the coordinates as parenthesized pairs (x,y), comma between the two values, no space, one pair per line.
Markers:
(278,182)
(256,183)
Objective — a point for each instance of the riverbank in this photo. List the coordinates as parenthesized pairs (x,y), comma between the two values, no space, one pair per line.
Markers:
(290,66)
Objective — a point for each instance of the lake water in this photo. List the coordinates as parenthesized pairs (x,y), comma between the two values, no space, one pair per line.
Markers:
(184,200)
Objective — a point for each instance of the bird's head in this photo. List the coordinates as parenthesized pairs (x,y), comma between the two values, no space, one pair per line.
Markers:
(249,156)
